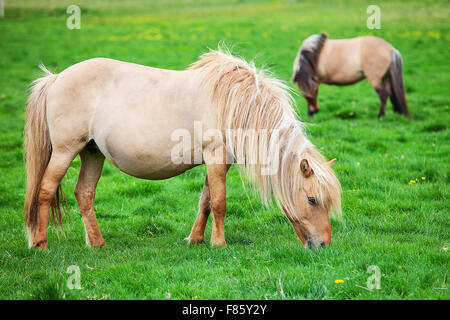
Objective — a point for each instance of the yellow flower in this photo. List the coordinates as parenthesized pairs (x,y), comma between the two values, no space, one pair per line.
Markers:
(357,163)
(433,34)
(339,281)
(423,178)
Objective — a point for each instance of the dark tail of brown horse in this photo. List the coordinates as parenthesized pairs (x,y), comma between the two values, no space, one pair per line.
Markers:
(397,87)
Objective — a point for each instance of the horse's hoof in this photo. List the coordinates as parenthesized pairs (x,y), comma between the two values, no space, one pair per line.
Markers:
(98,244)
(193,240)
(218,244)
(40,245)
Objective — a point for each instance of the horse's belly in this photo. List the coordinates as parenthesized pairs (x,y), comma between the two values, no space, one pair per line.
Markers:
(346,79)
(151,167)
(151,160)
(349,73)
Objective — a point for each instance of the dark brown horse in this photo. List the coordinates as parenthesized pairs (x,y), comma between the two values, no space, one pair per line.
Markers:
(347,61)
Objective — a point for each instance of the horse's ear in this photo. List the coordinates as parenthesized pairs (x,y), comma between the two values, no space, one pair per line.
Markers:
(306,168)
(332,161)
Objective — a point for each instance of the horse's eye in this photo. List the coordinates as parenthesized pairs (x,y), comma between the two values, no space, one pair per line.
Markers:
(312,200)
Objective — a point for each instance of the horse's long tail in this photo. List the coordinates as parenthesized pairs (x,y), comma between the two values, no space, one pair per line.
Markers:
(397,96)
(38,150)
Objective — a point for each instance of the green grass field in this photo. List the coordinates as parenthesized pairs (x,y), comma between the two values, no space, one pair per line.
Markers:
(400,227)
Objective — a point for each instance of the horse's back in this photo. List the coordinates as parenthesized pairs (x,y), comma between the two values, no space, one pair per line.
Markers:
(346,61)
(96,85)
(84,83)
(376,47)
(340,61)
(129,110)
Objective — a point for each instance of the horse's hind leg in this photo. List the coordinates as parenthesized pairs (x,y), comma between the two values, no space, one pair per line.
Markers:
(55,171)
(383,94)
(378,83)
(91,168)
(204,209)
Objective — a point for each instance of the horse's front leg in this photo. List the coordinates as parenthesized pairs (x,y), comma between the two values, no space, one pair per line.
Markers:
(217,174)
(204,209)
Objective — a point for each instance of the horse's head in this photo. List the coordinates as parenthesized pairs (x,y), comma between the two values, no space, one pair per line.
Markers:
(311,98)
(319,192)
(308,84)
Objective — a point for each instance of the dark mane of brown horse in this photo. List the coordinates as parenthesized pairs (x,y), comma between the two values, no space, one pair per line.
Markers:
(309,57)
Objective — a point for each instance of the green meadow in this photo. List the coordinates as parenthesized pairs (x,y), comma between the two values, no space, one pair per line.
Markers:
(400,226)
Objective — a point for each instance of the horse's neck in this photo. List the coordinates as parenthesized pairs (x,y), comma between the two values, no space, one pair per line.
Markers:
(294,140)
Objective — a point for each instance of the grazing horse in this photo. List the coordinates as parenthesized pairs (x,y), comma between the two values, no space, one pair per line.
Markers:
(347,61)
(132,115)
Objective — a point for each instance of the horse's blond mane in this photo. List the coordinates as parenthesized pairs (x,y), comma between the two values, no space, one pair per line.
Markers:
(250,99)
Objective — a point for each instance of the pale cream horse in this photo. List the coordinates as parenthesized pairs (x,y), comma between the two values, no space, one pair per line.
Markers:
(127,113)
(347,61)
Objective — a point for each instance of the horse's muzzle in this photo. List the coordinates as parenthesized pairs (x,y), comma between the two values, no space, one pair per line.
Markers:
(312,112)
(314,245)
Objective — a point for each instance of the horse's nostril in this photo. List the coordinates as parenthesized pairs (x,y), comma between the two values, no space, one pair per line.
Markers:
(311,244)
